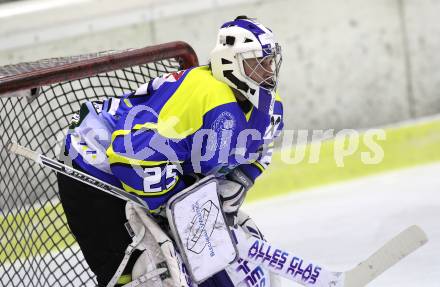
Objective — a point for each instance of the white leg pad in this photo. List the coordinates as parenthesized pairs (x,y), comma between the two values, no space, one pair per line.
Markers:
(159,265)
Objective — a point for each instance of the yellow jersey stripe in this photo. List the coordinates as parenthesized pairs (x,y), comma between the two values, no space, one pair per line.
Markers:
(248,115)
(146,194)
(128,103)
(257,164)
(114,157)
(149,126)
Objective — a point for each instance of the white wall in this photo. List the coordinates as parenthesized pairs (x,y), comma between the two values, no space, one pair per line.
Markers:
(347,63)
(422,19)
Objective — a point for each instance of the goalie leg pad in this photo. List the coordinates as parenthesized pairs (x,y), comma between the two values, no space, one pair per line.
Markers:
(147,272)
(159,265)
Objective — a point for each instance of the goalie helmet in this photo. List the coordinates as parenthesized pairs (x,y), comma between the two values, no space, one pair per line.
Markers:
(247,58)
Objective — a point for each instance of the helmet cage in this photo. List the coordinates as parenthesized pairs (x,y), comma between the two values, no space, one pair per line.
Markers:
(259,74)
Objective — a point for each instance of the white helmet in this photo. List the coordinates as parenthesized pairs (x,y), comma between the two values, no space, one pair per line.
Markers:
(247,58)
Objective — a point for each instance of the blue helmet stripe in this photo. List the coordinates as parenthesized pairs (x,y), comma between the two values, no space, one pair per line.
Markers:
(254,29)
(245,24)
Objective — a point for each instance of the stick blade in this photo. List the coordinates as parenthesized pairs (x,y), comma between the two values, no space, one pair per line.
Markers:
(392,252)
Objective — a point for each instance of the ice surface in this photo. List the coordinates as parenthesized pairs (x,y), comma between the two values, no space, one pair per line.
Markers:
(342,224)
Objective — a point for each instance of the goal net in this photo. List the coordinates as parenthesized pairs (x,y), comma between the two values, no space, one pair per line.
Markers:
(37,101)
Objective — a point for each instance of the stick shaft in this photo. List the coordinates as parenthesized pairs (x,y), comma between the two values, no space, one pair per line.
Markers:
(75,174)
(286,264)
(308,273)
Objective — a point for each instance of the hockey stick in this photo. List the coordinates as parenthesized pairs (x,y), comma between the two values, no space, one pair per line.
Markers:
(74,173)
(310,274)
(276,260)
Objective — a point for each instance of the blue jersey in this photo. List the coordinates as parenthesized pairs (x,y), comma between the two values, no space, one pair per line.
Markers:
(182,123)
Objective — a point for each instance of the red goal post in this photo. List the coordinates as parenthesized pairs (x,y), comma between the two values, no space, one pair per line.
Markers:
(48,71)
(37,100)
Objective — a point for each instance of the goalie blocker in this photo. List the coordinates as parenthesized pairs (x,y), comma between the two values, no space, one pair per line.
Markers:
(199,228)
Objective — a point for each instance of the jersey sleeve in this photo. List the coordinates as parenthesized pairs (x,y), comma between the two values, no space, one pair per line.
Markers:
(255,169)
(264,154)
(89,135)
(86,141)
